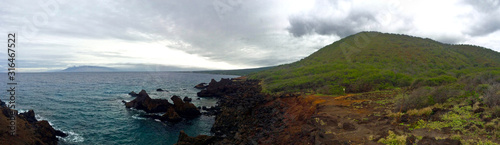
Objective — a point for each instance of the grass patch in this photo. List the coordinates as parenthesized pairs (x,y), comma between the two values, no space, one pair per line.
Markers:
(393,139)
(420,112)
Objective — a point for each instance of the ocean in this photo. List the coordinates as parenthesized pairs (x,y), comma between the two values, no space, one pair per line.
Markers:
(88,106)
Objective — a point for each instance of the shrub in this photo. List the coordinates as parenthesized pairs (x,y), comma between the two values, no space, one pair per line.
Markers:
(419,98)
(443,79)
(443,93)
(331,90)
(492,96)
(482,88)
(424,111)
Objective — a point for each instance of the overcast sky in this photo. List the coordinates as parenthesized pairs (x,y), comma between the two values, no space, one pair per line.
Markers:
(223,34)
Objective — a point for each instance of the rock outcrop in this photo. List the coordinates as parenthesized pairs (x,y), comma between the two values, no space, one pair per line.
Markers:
(171,116)
(161,90)
(201,86)
(226,87)
(133,94)
(186,99)
(246,116)
(144,102)
(185,109)
(173,112)
(28,129)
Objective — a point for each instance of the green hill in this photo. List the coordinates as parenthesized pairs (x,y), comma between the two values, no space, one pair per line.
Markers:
(370,61)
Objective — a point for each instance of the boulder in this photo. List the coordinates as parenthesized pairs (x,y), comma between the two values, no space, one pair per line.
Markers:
(2,104)
(133,94)
(144,102)
(186,99)
(185,109)
(29,116)
(201,86)
(161,90)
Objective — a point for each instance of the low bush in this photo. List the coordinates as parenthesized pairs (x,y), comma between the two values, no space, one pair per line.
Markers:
(492,96)
(418,98)
(440,80)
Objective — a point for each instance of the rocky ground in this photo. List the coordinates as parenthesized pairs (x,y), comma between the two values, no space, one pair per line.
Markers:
(248,116)
(28,129)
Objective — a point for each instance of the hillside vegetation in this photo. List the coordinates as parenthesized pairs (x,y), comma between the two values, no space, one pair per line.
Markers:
(429,91)
(370,61)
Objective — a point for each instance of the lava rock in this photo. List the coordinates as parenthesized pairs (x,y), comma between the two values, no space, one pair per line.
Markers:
(185,109)
(29,116)
(161,90)
(348,126)
(144,102)
(186,99)
(2,104)
(133,94)
(201,86)
(171,116)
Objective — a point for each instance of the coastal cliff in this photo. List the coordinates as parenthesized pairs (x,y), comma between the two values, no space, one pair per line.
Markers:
(28,130)
(251,117)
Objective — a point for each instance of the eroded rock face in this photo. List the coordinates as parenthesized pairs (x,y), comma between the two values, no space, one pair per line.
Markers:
(144,102)
(28,129)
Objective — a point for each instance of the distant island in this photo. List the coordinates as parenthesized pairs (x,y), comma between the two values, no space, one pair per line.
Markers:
(89,69)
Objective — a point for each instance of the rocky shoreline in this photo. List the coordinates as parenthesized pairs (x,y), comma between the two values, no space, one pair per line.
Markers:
(250,117)
(28,129)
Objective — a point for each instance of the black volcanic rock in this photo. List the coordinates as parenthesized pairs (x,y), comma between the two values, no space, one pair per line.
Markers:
(161,90)
(201,86)
(186,99)
(133,94)
(29,116)
(185,109)
(171,116)
(2,104)
(144,102)
(223,87)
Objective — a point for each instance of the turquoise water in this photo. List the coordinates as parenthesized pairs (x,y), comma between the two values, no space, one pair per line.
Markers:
(88,106)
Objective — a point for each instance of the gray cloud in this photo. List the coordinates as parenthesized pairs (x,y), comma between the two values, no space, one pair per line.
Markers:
(244,33)
(488,22)
(351,24)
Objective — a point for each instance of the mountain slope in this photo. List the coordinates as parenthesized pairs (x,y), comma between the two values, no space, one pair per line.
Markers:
(370,61)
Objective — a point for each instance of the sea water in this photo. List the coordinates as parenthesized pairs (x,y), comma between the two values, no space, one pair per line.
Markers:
(88,106)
